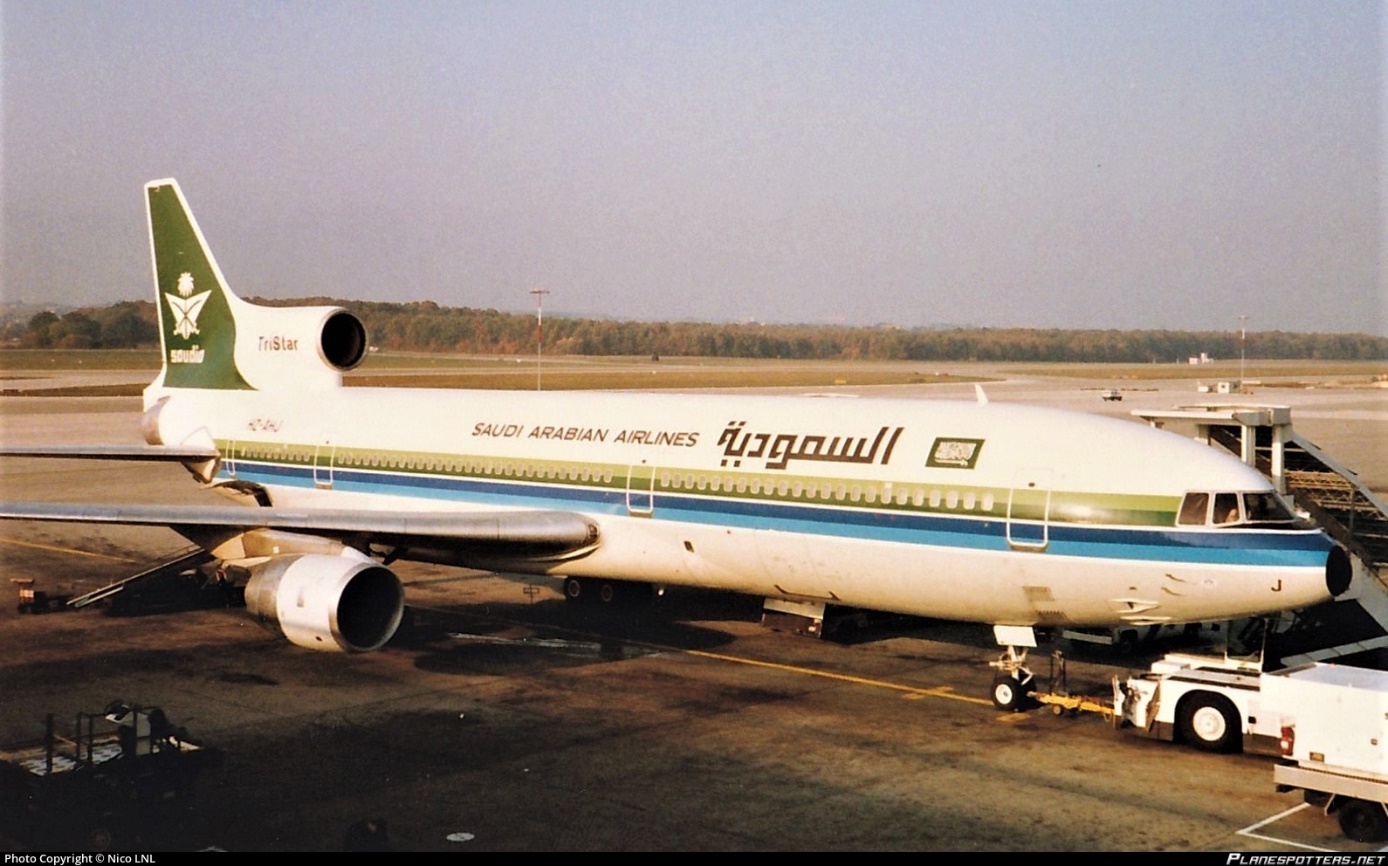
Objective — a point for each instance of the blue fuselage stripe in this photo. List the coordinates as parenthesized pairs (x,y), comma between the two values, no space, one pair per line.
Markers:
(1244,547)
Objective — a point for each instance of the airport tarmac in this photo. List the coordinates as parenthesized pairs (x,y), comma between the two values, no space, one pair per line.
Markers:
(509,720)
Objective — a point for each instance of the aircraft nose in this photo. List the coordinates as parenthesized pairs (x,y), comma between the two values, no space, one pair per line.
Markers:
(1338,571)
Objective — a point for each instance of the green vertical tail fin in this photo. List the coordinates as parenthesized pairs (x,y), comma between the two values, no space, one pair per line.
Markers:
(197,322)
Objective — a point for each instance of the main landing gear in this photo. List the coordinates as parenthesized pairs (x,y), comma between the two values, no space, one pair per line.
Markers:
(583,590)
(1014,684)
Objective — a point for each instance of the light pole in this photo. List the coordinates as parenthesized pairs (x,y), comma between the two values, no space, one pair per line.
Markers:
(1243,345)
(539,331)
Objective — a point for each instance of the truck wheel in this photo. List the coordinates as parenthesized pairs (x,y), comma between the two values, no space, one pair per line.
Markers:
(1363,821)
(100,838)
(1210,723)
(1010,694)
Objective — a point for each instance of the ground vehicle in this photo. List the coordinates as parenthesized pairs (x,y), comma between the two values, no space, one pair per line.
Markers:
(1328,722)
(1216,704)
(121,778)
(33,600)
(1334,723)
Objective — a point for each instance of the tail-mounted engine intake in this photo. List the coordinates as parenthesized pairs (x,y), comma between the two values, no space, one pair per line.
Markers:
(342,340)
(310,346)
(345,603)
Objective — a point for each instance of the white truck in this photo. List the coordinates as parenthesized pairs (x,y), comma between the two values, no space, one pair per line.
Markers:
(1329,724)
(1334,742)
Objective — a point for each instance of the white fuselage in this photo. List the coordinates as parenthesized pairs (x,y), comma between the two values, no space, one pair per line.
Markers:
(985,512)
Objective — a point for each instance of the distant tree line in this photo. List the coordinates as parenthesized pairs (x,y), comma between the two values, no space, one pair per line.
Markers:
(125,325)
(425,326)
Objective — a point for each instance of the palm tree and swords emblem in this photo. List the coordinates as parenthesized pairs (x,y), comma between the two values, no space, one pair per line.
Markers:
(186,306)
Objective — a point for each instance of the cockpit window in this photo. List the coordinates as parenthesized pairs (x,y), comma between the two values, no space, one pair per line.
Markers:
(1194,509)
(1201,508)
(1264,508)
(1226,509)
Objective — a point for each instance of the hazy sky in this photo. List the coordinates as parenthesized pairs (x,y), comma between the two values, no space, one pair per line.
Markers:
(1052,164)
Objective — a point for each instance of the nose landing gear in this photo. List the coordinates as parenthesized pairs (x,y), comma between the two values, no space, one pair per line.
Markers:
(1015,684)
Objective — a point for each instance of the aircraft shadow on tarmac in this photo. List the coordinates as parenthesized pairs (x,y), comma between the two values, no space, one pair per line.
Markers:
(498,638)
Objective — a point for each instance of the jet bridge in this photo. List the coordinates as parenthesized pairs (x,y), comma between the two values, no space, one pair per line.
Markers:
(1330,494)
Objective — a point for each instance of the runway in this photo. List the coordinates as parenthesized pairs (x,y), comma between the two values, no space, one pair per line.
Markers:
(508,720)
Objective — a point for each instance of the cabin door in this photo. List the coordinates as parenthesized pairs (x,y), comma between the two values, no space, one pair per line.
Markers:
(323,466)
(1029,510)
(640,490)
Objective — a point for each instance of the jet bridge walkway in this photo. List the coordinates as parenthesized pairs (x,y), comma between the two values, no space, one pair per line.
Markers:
(1331,494)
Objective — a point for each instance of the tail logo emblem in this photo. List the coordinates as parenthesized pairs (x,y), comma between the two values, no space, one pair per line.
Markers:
(186,308)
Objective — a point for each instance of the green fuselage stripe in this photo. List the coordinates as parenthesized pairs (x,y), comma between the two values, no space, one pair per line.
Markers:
(907,497)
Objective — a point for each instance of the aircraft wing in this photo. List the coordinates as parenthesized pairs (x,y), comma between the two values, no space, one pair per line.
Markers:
(152,453)
(483,534)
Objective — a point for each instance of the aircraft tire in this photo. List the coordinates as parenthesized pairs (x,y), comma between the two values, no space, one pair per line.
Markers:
(1210,723)
(1363,821)
(1010,694)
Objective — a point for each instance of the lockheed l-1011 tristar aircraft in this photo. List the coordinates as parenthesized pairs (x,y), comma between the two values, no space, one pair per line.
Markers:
(1002,514)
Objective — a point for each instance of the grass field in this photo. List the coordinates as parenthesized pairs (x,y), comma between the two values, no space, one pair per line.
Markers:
(412,370)
(562,373)
(599,378)
(1365,370)
(39,360)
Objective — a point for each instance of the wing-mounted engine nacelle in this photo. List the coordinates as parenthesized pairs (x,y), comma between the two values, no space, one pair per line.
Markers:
(329,603)
(311,345)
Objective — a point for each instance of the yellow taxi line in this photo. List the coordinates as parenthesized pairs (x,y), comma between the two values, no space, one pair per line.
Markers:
(911,692)
(57,549)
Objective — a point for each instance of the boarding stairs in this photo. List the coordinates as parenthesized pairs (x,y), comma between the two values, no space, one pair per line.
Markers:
(1332,495)
(1335,498)
(191,557)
